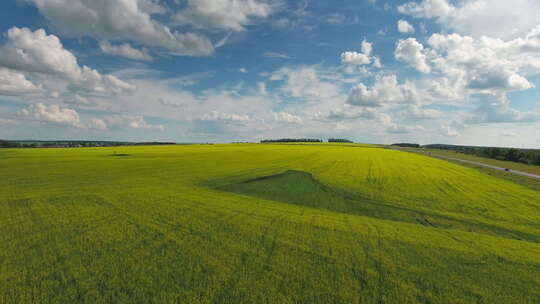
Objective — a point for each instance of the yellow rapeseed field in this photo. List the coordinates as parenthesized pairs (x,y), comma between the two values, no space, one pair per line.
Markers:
(253,223)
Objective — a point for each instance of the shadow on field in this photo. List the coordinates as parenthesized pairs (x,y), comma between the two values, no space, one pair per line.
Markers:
(120,154)
(301,188)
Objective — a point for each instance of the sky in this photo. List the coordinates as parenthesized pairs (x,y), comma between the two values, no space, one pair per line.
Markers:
(375,71)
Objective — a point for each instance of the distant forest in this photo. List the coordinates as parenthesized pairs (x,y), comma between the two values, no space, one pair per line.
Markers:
(305,140)
(72,144)
(407,145)
(339,140)
(291,140)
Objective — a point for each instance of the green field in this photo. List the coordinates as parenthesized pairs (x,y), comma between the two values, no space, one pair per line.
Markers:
(532,183)
(261,224)
(494,162)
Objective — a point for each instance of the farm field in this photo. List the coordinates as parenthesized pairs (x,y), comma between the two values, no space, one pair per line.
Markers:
(494,162)
(453,157)
(252,223)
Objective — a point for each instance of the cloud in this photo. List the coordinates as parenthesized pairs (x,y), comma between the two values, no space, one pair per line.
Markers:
(5,121)
(172,104)
(449,131)
(76,99)
(415,112)
(411,51)
(403,129)
(427,8)
(509,134)
(405,27)
(362,58)
(14,83)
(392,127)
(355,58)
(478,18)
(52,114)
(344,114)
(287,118)
(304,82)
(97,124)
(275,55)
(505,80)
(151,7)
(123,121)
(36,52)
(495,108)
(58,115)
(124,50)
(366,47)
(218,122)
(457,67)
(92,82)
(485,64)
(261,88)
(231,15)
(125,19)
(385,91)
(336,19)
(383,120)
(227,118)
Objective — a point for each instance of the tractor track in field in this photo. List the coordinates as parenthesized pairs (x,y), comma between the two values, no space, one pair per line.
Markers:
(269,237)
(359,271)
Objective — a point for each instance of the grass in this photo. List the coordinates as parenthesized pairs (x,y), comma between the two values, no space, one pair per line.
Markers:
(532,183)
(529,182)
(262,224)
(494,162)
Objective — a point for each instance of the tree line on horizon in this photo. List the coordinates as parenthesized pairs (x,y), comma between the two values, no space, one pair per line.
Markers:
(73,144)
(407,145)
(292,140)
(305,140)
(339,140)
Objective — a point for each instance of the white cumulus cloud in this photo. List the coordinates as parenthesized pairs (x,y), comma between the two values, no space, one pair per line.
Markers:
(123,121)
(385,91)
(125,19)
(14,83)
(411,51)
(355,58)
(287,118)
(304,82)
(230,118)
(405,27)
(493,18)
(52,114)
(124,50)
(363,57)
(231,15)
(29,51)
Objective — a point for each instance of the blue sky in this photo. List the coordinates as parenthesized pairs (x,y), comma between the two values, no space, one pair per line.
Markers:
(427,71)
